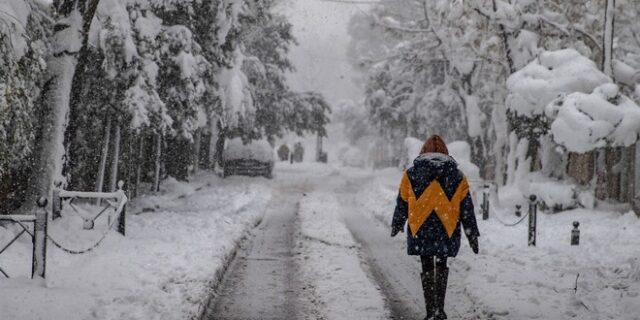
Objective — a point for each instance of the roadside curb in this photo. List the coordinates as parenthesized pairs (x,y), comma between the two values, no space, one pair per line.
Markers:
(220,272)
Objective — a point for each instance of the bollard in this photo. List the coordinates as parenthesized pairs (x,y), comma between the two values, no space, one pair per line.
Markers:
(532,219)
(485,202)
(38,266)
(575,234)
(518,211)
(56,202)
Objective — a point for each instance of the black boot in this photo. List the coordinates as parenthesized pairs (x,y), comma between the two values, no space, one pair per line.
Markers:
(442,276)
(428,289)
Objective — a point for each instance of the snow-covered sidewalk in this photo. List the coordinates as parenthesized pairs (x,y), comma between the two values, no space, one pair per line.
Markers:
(162,269)
(509,280)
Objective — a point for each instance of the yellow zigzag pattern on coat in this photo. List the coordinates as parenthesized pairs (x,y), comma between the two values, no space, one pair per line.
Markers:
(433,199)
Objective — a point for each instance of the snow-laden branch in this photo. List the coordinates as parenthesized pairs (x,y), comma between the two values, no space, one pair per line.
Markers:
(566,30)
(625,73)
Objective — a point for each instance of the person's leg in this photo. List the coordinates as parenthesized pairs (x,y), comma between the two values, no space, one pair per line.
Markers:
(441,278)
(428,285)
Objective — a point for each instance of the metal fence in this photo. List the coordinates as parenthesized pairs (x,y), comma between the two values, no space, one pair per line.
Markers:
(115,201)
(38,237)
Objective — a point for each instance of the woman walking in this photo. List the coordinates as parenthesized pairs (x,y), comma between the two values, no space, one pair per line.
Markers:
(434,197)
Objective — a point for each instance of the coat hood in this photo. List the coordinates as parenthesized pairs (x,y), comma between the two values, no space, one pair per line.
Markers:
(435,165)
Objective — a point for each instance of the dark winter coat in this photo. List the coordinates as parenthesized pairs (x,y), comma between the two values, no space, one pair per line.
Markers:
(434,196)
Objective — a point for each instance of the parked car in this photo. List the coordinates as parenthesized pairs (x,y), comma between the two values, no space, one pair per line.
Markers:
(255,158)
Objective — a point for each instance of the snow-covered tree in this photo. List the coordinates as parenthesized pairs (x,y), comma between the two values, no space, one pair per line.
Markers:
(69,48)
(24,30)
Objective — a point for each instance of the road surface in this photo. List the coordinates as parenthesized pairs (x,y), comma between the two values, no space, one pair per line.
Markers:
(264,279)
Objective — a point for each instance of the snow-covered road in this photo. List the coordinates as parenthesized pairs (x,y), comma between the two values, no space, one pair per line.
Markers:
(301,262)
(321,251)
(261,282)
(349,268)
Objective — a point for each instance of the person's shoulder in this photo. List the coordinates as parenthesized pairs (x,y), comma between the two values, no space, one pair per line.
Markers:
(459,175)
(409,170)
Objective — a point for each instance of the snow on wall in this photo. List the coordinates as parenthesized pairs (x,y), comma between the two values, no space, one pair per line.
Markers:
(551,74)
(584,122)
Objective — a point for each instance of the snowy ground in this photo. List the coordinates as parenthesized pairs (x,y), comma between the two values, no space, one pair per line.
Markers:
(341,262)
(331,263)
(162,269)
(509,280)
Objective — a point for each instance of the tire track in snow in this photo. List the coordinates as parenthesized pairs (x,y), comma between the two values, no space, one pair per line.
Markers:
(330,262)
(262,280)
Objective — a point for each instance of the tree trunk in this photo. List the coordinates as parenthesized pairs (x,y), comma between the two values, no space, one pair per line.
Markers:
(156,176)
(139,166)
(131,163)
(116,159)
(318,147)
(580,166)
(222,136)
(627,172)
(197,141)
(73,23)
(607,46)
(601,175)
(505,41)
(216,144)
(103,157)
(213,144)
(635,177)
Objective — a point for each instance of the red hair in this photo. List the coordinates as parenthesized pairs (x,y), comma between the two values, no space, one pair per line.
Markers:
(434,144)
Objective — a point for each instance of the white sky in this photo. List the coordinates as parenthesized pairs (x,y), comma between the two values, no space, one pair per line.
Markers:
(320,58)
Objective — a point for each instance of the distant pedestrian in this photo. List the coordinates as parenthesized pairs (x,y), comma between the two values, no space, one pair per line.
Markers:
(434,197)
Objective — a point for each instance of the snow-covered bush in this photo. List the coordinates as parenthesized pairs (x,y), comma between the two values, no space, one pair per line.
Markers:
(551,74)
(587,121)
(562,103)
(579,104)
(461,152)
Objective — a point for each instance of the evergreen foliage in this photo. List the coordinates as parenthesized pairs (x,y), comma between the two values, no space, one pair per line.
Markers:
(178,72)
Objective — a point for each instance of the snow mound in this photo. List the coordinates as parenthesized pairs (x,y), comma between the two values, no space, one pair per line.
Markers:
(551,74)
(555,194)
(584,122)
(256,150)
